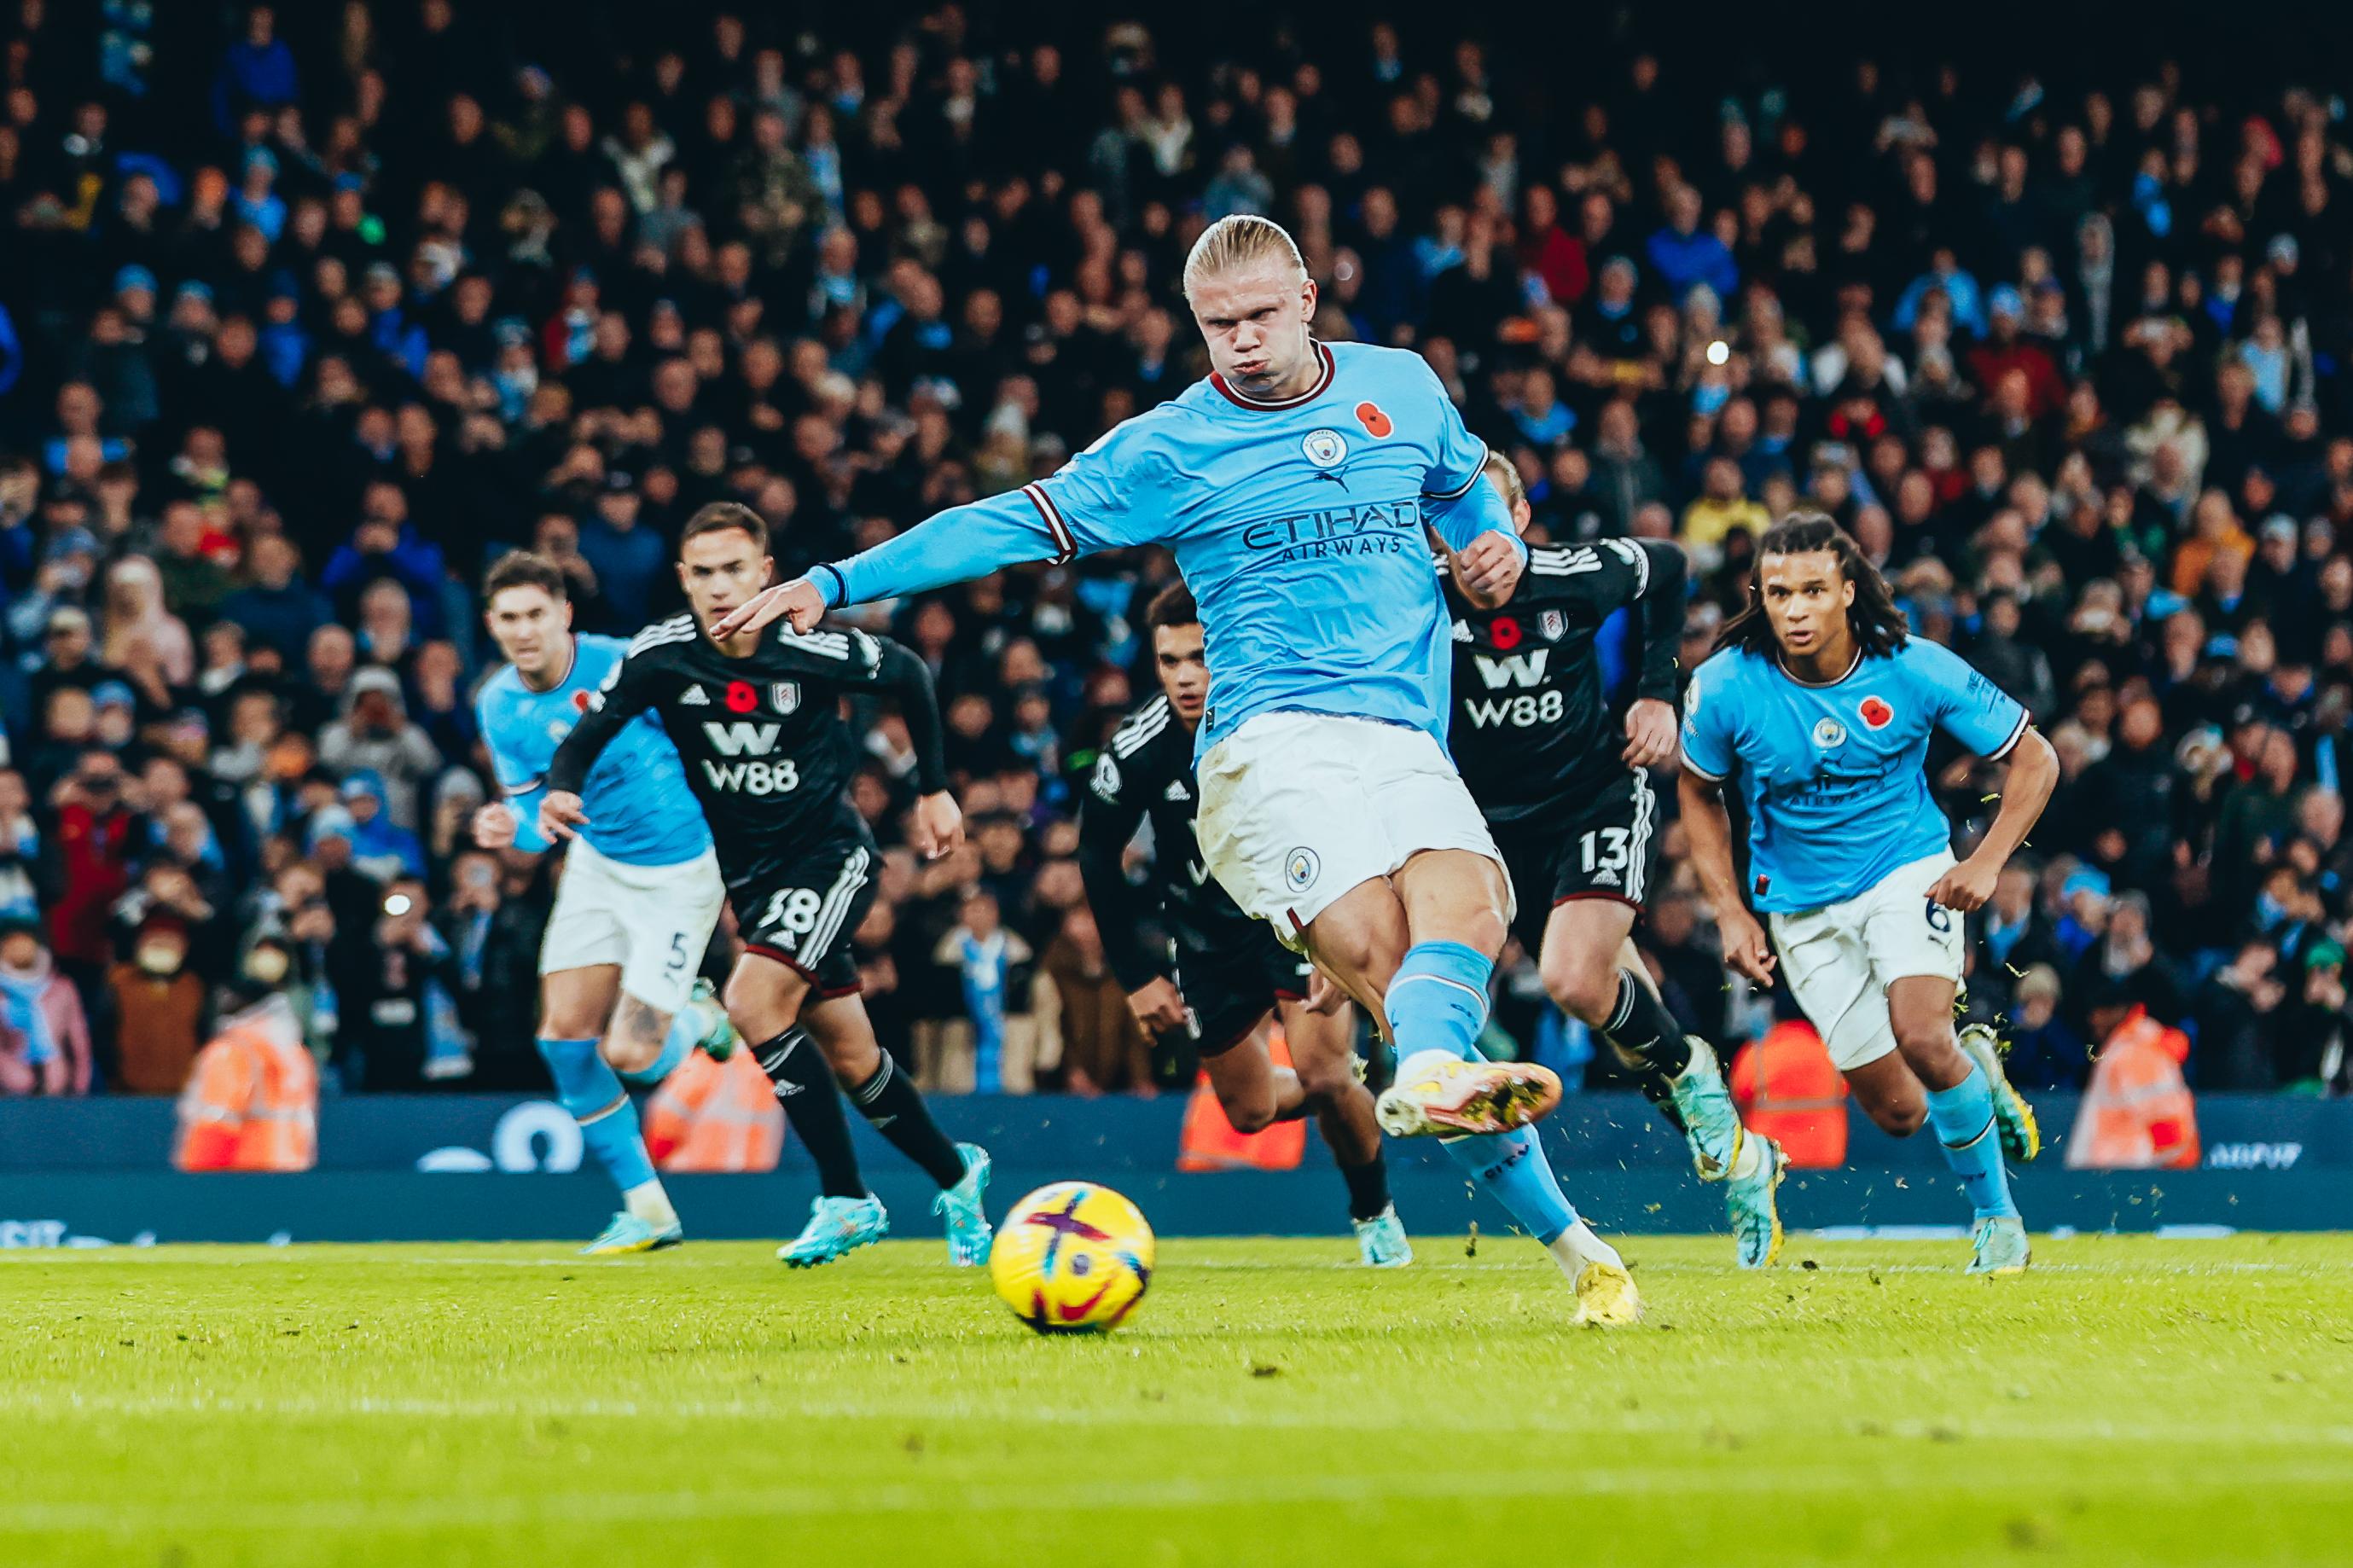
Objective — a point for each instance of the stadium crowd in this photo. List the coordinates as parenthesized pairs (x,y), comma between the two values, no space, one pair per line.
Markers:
(308,313)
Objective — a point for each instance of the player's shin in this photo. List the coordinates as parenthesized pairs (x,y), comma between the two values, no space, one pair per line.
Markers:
(1514,1170)
(677,1046)
(1678,1074)
(889,1100)
(1963,1118)
(593,1093)
(1438,999)
(804,1085)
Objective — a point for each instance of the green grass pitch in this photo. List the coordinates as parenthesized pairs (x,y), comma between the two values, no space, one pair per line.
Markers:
(2132,1401)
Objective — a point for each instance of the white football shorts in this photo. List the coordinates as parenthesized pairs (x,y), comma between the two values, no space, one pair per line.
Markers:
(1839,960)
(1298,808)
(652,920)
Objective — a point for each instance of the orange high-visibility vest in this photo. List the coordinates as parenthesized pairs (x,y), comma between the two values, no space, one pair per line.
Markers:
(715,1116)
(2138,1113)
(1789,1091)
(1208,1142)
(252,1098)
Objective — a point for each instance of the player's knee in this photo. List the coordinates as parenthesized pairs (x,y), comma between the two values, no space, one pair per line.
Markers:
(1931,1051)
(1249,1112)
(1322,1082)
(1250,1107)
(626,1051)
(756,1008)
(563,1021)
(1899,1115)
(1900,1120)
(1581,986)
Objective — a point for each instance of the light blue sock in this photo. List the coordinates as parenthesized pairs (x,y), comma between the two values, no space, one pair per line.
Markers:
(592,1092)
(1513,1168)
(1963,1118)
(1438,1002)
(685,1029)
(1438,999)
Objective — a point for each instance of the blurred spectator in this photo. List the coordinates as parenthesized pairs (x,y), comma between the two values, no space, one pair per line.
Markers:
(156,1005)
(44,1035)
(312,313)
(1104,1049)
(2045,1051)
(374,742)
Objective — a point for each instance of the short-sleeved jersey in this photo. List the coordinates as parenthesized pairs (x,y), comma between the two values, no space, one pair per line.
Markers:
(766,749)
(638,810)
(1146,771)
(1531,722)
(1298,525)
(1835,775)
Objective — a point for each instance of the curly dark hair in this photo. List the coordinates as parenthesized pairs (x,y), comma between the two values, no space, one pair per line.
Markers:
(1879,628)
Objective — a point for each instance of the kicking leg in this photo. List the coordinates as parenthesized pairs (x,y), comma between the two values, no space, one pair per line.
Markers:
(1406,945)
(1960,1107)
(765,996)
(574,1004)
(889,1100)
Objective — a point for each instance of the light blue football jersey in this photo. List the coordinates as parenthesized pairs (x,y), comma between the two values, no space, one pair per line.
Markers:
(1297,524)
(1836,775)
(640,812)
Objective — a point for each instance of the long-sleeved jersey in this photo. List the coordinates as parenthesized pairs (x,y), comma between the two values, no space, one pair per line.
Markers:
(1298,525)
(1145,770)
(639,812)
(766,749)
(1531,725)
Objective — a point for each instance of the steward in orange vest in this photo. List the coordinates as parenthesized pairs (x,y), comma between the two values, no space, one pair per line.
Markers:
(715,1116)
(2138,1113)
(1789,1091)
(252,1098)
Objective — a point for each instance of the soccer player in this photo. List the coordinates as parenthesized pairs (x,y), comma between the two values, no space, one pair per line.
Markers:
(620,996)
(1823,701)
(757,721)
(1294,485)
(1224,970)
(1572,809)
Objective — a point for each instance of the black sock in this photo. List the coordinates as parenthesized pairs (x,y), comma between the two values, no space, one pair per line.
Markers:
(804,1085)
(896,1108)
(1641,1027)
(1647,1040)
(1368,1187)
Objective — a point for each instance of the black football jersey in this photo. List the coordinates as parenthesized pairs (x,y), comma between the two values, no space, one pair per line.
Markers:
(1531,725)
(765,745)
(1145,770)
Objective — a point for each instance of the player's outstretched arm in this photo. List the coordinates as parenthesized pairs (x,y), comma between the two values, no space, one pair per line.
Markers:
(1032,523)
(2026,786)
(1708,827)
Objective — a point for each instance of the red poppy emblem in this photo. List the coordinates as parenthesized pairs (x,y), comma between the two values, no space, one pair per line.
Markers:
(1377,423)
(1876,714)
(741,698)
(1505,633)
(580,702)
